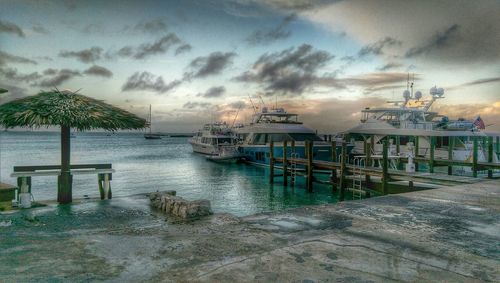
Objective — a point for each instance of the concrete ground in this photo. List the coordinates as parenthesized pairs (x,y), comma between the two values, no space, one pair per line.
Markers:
(442,235)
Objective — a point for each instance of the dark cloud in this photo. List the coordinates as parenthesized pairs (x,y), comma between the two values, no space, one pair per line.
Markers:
(15,92)
(86,56)
(376,48)
(390,65)
(40,29)
(297,5)
(192,105)
(289,72)
(152,26)
(59,78)
(50,72)
(213,92)
(98,71)
(148,81)
(237,104)
(438,41)
(158,47)
(12,75)
(8,27)
(183,48)
(377,81)
(213,64)
(9,58)
(271,35)
(483,81)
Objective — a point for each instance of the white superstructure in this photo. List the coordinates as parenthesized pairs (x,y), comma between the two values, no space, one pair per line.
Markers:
(211,138)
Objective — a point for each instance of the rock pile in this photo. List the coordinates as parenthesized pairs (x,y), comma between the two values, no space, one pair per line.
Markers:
(170,203)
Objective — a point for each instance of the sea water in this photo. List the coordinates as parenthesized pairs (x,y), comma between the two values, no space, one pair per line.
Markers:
(144,166)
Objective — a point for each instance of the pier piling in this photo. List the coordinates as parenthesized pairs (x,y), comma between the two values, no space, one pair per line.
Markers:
(333,179)
(433,149)
(385,167)
(451,145)
(474,157)
(285,163)
(490,156)
(271,162)
(343,160)
(309,150)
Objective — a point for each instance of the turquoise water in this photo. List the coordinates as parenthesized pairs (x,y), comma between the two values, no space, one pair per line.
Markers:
(148,165)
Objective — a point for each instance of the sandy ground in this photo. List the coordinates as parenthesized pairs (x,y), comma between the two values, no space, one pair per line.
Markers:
(442,235)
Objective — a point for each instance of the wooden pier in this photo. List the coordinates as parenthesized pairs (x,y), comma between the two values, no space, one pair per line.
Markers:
(342,173)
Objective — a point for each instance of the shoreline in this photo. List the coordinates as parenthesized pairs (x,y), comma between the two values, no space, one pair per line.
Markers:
(446,234)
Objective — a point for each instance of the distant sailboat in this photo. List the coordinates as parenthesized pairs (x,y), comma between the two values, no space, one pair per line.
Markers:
(150,135)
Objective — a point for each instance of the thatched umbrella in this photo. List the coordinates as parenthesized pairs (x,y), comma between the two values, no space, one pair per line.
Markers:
(3,90)
(67,110)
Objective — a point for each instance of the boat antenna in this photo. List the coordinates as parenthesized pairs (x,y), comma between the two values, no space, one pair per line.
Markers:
(236,116)
(262,101)
(253,105)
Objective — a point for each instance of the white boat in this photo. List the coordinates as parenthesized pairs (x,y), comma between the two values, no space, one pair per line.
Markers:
(227,154)
(278,126)
(412,118)
(150,135)
(211,138)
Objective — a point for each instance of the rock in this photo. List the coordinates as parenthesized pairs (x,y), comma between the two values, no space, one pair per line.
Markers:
(170,203)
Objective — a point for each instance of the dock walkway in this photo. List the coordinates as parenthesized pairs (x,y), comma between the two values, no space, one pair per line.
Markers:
(450,234)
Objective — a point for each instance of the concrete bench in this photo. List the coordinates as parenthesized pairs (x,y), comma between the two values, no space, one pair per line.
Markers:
(103,171)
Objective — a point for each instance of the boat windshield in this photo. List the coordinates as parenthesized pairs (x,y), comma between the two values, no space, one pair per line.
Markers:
(275,137)
(224,140)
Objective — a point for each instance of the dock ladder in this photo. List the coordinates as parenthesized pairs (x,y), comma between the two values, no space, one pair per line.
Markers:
(357,177)
(293,167)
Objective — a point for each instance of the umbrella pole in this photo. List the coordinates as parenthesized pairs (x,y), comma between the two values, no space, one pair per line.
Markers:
(64,192)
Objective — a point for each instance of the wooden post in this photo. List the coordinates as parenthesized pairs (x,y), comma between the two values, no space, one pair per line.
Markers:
(343,171)
(490,156)
(329,138)
(100,179)
(334,171)
(285,163)
(271,162)
(431,161)
(474,157)
(385,167)
(416,151)
(368,154)
(325,137)
(64,188)
(293,147)
(451,145)
(498,145)
(309,145)
(398,141)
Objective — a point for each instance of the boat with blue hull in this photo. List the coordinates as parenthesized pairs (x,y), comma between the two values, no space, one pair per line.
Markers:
(278,126)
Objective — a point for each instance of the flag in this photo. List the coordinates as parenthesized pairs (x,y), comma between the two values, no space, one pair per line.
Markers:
(479,123)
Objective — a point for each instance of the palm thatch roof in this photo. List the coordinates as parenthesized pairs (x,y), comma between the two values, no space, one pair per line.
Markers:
(3,90)
(66,108)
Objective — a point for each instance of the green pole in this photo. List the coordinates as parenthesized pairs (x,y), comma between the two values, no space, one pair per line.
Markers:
(474,157)
(385,167)
(334,171)
(431,161)
(451,145)
(490,156)
(343,171)
(285,163)
(271,162)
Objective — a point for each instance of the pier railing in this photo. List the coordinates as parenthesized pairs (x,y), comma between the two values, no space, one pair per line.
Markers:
(342,172)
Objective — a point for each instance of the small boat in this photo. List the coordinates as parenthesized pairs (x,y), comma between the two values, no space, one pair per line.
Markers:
(151,135)
(211,138)
(226,154)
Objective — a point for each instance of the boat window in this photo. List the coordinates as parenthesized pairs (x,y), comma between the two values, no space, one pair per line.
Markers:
(259,139)
(305,137)
(224,140)
(278,137)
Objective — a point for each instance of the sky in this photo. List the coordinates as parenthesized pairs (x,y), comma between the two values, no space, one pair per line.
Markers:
(197,61)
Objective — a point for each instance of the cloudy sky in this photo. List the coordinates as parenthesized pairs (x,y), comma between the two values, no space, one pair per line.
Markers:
(200,60)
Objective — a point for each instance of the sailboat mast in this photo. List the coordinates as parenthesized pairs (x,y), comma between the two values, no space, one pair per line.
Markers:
(150,118)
